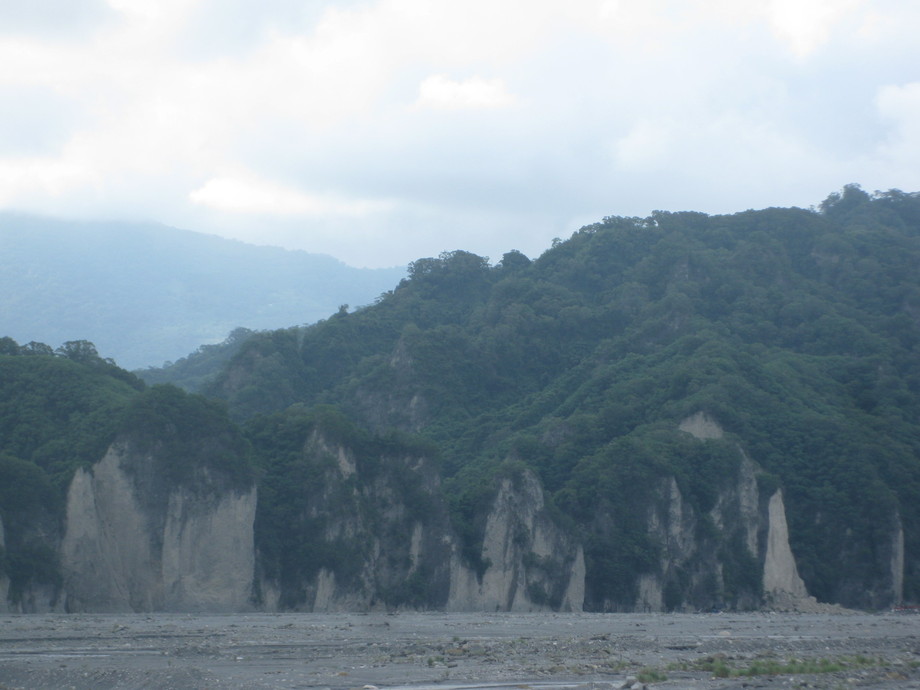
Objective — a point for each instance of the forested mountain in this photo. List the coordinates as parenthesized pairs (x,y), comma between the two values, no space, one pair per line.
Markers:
(631,420)
(796,330)
(145,294)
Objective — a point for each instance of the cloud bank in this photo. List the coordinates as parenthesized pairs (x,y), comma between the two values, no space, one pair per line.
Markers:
(386,130)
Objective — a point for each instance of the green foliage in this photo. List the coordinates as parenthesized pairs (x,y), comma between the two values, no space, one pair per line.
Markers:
(722,667)
(194,371)
(796,330)
(651,675)
(303,492)
(28,505)
(33,562)
(63,410)
(741,571)
(186,434)
(24,490)
(58,413)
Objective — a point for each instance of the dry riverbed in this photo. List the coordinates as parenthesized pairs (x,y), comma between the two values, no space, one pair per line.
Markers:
(460,651)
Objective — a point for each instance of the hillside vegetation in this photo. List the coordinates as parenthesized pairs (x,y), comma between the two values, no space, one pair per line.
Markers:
(796,330)
(61,410)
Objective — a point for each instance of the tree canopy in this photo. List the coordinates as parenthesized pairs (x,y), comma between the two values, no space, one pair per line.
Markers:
(797,330)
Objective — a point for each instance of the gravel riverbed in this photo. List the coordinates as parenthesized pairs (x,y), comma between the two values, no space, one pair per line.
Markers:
(422,651)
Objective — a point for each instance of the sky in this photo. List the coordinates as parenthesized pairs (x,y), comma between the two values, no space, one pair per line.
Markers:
(382,131)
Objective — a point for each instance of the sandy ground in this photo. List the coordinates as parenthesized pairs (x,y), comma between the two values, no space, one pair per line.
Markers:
(456,651)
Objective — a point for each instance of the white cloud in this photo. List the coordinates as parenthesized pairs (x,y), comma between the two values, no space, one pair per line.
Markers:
(440,91)
(253,196)
(519,118)
(901,106)
(37,179)
(644,147)
(807,24)
(144,9)
(899,153)
(53,18)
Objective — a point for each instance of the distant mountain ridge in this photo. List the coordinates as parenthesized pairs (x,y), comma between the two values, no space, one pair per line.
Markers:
(147,293)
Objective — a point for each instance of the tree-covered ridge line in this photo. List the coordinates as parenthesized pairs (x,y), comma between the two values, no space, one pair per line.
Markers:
(796,329)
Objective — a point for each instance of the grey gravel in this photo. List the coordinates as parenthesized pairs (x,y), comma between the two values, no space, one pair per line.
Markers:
(452,651)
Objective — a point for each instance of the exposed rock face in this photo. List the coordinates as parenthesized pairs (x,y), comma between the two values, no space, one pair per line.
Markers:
(897,563)
(701,426)
(533,564)
(672,524)
(377,534)
(377,531)
(4,579)
(380,537)
(128,547)
(703,568)
(208,554)
(780,575)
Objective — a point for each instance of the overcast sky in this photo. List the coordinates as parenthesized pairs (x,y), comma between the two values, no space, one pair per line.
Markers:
(387,130)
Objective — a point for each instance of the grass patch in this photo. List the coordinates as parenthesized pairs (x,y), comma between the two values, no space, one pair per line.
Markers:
(722,667)
(651,675)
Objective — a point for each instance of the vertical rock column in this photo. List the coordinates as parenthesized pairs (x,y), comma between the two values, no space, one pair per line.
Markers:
(4,580)
(131,547)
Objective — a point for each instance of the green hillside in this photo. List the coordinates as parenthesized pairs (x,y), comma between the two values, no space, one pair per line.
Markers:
(61,410)
(796,330)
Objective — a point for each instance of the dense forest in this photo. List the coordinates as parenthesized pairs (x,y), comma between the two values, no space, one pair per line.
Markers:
(797,330)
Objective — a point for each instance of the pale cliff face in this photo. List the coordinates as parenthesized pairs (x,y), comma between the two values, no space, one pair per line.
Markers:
(399,556)
(740,518)
(533,564)
(131,546)
(4,580)
(897,563)
(780,575)
(208,555)
(107,554)
(194,553)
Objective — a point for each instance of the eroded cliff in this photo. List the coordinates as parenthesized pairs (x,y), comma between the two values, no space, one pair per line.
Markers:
(369,527)
(372,529)
(734,554)
(135,545)
(365,531)
(531,562)
(4,577)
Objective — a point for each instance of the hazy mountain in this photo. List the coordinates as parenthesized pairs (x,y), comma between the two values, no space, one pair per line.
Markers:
(145,294)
